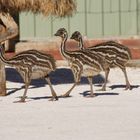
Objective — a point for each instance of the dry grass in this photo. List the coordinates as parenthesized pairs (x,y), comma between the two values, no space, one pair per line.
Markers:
(59,8)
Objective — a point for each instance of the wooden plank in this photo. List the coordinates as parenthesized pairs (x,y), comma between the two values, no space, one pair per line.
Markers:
(78,21)
(128,5)
(111,24)
(94,6)
(128,23)
(27,26)
(77,26)
(59,23)
(94,24)
(42,26)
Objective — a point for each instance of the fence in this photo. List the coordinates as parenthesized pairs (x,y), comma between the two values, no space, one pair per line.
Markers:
(94,18)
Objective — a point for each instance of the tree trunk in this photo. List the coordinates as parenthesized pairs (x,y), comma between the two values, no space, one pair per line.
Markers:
(9,31)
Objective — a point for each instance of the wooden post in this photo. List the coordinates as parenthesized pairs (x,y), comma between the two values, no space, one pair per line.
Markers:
(9,31)
(2,69)
(2,80)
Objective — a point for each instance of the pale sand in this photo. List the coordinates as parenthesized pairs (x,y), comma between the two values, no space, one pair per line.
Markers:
(112,115)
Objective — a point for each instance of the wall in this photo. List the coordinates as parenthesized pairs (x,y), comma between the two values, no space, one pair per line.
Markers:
(94,18)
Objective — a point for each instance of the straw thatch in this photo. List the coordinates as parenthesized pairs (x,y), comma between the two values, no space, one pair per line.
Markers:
(59,8)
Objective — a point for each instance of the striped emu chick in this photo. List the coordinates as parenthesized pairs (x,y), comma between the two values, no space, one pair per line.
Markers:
(114,54)
(31,64)
(81,63)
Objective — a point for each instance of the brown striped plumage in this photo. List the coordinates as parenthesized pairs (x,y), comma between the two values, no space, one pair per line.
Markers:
(31,64)
(81,63)
(114,54)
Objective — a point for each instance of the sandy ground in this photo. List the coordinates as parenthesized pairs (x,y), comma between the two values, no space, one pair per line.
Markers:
(111,115)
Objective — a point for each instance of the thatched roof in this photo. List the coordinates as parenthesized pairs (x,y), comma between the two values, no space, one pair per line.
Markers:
(59,8)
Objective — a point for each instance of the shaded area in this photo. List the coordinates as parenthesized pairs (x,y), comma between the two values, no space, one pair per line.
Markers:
(123,86)
(60,76)
(13,90)
(86,93)
(46,97)
(30,99)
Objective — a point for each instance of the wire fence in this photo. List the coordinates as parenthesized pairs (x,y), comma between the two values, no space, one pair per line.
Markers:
(94,18)
(125,12)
